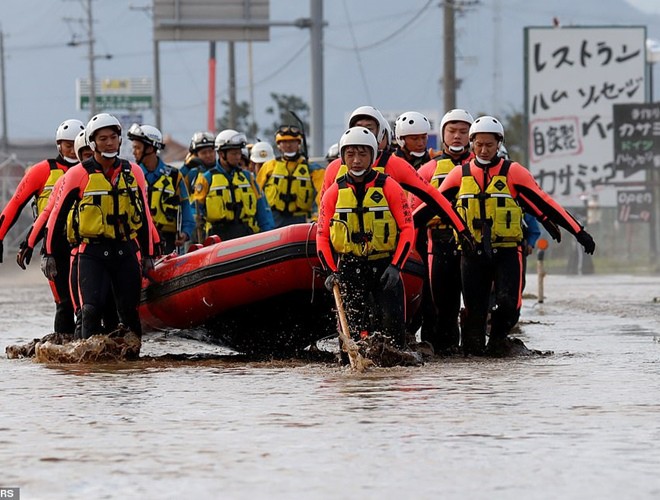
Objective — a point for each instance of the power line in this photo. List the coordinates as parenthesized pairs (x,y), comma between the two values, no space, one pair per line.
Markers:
(357,53)
(399,31)
(283,66)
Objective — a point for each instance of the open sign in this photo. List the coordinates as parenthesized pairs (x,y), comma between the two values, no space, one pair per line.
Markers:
(634,206)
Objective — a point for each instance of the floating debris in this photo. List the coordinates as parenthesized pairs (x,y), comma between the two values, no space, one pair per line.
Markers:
(383,353)
(18,351)
(119,345)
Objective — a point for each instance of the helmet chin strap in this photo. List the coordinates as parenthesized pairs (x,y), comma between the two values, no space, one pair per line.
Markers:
(359,173)
(71,161)
(109,156)
(456,149)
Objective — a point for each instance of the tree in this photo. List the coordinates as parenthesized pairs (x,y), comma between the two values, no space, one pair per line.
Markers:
(515,135)
(283,104)
(243,123)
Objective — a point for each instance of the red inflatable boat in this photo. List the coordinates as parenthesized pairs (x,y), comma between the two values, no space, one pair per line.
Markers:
(262,293)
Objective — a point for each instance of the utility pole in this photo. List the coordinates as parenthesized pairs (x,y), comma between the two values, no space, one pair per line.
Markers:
(316,46)
(90,55)
(497,65)
(449,80)
(253,120)
(232,85)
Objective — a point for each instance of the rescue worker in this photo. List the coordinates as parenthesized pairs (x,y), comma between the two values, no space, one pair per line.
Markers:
(491,194)
(404,174)
(232,203)
(167,192)
(81,147)
(441,299)
(201,157)
(365,219)
(412,135)
(37,185)
(36,233)
(333,153)
(398,168)
(260,153)
(107,197)
(290,183)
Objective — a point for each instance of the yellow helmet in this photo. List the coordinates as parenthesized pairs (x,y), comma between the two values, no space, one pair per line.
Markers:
(288,133)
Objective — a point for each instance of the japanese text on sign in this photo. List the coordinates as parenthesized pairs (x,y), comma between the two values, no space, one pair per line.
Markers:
(574,76)
(636,137)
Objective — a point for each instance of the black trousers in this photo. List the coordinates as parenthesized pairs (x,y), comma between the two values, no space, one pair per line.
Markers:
(426,316)
(109,270)
(110,318)
(64,321)
(445,284)
(368,307)
(501,273)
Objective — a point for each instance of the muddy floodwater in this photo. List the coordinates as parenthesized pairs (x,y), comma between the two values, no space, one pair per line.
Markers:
(583,422)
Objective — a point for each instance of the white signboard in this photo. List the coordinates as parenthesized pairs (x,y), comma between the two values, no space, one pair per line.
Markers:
(574,77)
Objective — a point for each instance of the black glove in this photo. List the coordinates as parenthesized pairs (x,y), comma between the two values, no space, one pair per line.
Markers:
(552,229)
(390,277)
(586,241)
(2,249)
(24,255)
(48,266)
(331,280)
(466,240)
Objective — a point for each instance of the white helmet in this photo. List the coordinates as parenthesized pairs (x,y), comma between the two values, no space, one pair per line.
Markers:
(410,123)
(230,139)
(80,143)
(359,136)
(147,134)
(201,140)
(68,130)
(261,152)
(487,125)
(102,120)
(455,115)
(371,112)
(333,152)
(502,152)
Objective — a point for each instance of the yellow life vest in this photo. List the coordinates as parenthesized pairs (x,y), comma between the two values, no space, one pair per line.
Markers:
(164,201)
(290,192)
(494,207)
(234,201)
(442,168)
(55,173)
(365,228)
(105,211)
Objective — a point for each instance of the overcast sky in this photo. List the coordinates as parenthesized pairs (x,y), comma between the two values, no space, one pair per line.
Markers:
(387,53)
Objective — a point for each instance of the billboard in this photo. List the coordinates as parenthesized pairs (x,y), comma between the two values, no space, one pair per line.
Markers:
(204,20)
(574,76)
(116,93)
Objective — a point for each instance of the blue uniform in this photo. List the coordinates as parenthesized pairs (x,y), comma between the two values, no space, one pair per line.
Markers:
(263,216)
(187,214)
